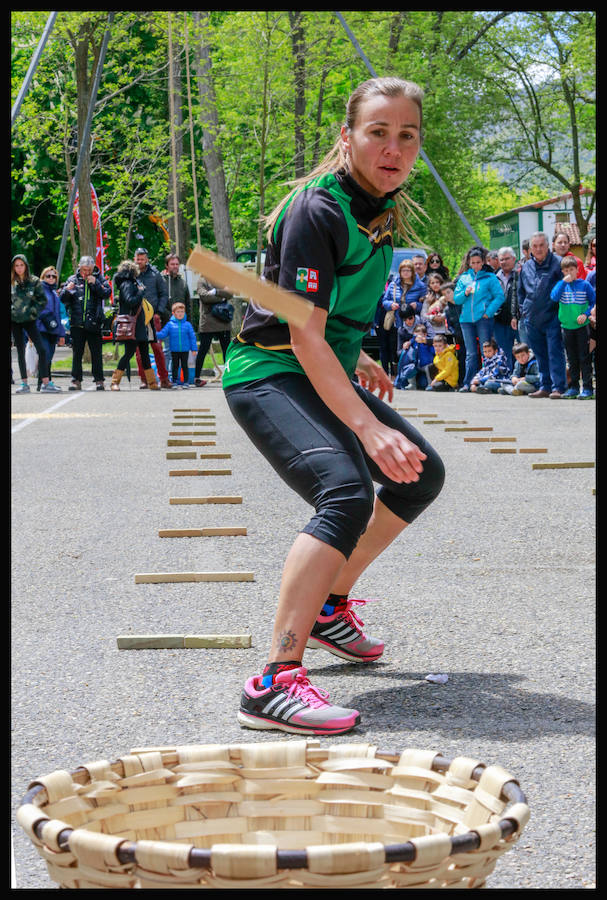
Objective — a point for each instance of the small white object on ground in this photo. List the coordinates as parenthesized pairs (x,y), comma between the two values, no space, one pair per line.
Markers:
(437,679)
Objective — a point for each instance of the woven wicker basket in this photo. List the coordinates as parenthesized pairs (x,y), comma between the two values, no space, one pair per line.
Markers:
(289,814)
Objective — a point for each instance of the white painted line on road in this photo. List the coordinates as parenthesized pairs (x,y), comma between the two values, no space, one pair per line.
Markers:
(65,400)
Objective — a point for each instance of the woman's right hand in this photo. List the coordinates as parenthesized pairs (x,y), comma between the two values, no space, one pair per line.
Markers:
(398,458)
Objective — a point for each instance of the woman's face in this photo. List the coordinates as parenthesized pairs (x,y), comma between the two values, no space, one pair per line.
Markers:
(434,262)
(19,268)
(434,283)
(383,144)
(476,263)
(407,274)
(561,244)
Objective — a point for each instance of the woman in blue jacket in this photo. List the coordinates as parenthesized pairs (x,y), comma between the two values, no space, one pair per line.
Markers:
(49,322)
(480,295)
(405,290)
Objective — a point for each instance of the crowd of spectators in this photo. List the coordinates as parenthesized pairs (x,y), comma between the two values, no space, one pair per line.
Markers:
(502,324)
(508,325)
(169,326)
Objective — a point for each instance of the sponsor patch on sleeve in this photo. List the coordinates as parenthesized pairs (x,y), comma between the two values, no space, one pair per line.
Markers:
(307,280)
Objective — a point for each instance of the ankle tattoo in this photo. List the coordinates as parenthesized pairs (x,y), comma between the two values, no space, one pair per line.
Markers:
(286,641)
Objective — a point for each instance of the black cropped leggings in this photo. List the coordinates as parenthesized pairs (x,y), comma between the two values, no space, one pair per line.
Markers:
(321,459)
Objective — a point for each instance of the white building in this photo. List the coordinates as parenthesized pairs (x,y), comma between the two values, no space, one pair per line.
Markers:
(510,229)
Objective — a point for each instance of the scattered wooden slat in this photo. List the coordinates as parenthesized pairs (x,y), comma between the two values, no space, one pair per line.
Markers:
(217,641)
(563,465)
(221,531)
(183,641)
(175,577)
(150,642)
(192,472)
(181,454)
(421,415)
(192,409)
(181,501)
(192,433)
(216,456)
(502,450)
(492,439)
(190,443)
(471,428)
(446,422)
(533,450)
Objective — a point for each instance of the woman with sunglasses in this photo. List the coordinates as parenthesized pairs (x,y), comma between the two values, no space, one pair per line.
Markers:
(436,266)
(49,324)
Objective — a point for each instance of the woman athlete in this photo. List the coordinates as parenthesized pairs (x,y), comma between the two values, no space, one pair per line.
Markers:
(325,432)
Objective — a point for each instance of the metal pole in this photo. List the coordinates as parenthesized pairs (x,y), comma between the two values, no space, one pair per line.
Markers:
(83,143)
(423,155)
(32,67)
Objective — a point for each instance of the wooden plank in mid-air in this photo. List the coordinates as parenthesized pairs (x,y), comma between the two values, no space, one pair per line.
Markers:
(266,294)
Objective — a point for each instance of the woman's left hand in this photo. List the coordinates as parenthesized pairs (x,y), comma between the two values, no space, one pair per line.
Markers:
(372,376)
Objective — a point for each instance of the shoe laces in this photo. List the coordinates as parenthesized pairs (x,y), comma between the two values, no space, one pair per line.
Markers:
(350,616)
(302,688)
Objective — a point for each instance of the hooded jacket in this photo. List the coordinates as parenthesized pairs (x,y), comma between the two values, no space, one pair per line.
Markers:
(486,298)
(27,297)
(180,334)
(51,313)
(447,366)
(130,294)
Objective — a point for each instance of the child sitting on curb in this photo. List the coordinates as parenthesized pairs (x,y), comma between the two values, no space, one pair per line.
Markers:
(416,363)
(446,364)
(494,372)
(526,375)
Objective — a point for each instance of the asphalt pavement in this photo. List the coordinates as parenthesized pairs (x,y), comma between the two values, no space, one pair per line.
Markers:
(494,586)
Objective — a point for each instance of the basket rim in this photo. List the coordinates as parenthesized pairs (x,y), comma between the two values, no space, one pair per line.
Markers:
(200,858)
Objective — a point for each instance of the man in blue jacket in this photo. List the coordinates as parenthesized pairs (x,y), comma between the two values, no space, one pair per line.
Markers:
(538,276)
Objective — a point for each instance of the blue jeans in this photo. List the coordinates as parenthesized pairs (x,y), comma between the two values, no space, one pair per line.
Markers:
(547,346)
(483,330)
(505,335)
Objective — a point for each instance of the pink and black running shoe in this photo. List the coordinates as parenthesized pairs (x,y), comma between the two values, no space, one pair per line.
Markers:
(342,634)
(293,704)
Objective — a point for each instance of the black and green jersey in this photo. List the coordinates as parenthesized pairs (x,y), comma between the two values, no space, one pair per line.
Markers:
(333,245)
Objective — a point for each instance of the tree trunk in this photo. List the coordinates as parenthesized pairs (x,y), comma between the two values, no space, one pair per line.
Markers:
(213,160)
(298,43)
(262,153)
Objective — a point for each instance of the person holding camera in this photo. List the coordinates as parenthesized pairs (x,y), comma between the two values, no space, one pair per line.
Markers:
(83,296)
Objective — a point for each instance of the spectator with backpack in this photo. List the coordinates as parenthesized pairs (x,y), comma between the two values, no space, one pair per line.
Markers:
(215,322)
